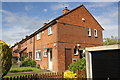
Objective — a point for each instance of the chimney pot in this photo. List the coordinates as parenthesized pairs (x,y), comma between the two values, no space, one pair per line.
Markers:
(65,10)
(44,24)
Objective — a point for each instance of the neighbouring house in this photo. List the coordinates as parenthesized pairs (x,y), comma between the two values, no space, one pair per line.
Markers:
(62,41)
(103,62)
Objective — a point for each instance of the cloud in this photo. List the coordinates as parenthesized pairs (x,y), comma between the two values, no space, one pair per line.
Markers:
(59,6)
(45,10)
(98,4)
(15,26)
(28,7)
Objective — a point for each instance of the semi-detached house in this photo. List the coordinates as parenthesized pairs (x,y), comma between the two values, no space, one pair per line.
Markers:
(62,41)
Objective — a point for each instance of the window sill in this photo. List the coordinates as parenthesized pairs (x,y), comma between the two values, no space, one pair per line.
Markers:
(37,59)
(96,36)
(45,56)
(49,34)
(37,39)
(75,54)
(89,36)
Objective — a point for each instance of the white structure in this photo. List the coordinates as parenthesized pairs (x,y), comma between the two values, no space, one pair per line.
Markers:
(88,55)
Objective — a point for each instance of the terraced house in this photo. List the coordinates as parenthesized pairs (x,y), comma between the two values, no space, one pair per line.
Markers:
(62,41)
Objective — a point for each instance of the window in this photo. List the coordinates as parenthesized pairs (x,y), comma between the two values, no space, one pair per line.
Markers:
(95,33)
(49,30)
(38,36)
(38,55)
(31,40)
(45,54)
(30,55)
(76,51)
(89,32)
(82,53)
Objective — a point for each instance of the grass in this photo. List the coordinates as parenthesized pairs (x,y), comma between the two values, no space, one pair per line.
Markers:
(14,75)
(23,69)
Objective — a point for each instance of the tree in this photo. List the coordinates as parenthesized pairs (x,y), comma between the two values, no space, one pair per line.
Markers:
(6,57)
(111,41)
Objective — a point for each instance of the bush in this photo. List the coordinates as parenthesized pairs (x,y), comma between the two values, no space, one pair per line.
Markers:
(6,57)
(22,58)
(69,74)
(78,65)
(28,63)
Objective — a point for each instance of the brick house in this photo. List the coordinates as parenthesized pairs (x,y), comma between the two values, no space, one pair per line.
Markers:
(62,41)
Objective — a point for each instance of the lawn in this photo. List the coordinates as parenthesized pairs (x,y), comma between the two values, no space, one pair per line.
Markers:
(23,69)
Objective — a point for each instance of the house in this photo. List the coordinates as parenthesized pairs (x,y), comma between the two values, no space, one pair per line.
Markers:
(103,62)
(62,41)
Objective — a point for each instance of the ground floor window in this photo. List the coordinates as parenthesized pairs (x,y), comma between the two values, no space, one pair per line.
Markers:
(38,55)
(30,55)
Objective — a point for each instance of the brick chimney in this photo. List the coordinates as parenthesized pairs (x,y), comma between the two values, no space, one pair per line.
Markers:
(65,10)
(44,24)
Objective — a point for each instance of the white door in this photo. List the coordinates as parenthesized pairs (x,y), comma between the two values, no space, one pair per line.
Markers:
(50,59)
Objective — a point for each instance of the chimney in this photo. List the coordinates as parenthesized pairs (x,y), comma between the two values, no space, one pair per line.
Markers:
(44,24)
(65,10)
(26,36)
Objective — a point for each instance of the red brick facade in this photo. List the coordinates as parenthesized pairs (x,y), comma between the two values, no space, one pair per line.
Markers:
(68,31)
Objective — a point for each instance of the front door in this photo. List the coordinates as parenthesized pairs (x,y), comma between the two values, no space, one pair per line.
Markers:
(68,57)
(50,59)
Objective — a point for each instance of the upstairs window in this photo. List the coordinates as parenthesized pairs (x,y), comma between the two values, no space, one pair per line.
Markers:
(38,36)
(38,55)
(89,32)
(30,40)
(49,30)
(95,33)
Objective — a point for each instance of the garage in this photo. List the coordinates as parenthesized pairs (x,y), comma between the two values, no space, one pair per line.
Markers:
(103,62)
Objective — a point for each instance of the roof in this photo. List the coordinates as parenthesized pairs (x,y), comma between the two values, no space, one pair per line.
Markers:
(101,48)
(53,22)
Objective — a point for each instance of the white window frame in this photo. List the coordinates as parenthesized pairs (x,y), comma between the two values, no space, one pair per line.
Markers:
(95,33)
(40,58)
(49,30)
(45,53)
(38,36)
(77,51)
(89,31)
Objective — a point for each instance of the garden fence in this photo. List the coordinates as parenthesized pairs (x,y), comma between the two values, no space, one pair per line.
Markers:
(46,76)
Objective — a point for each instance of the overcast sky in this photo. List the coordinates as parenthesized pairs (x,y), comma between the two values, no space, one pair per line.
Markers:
(23,18)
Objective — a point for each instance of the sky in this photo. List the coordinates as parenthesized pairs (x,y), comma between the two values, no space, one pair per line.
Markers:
(23,18)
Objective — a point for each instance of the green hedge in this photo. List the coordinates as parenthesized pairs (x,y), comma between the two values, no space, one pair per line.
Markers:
(78,65)
(28,63)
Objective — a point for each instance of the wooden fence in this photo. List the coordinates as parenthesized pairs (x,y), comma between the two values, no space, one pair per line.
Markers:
(46,76)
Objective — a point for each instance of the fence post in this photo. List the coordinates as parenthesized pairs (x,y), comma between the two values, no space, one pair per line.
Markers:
(77,74)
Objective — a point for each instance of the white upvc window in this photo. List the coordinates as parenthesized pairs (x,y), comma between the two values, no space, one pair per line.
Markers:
(89,31)
(45,53)
(49,30)
(38,55)
(95,33)
(38,36)
(76,51)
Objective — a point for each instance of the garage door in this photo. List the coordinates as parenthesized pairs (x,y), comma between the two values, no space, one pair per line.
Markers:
(106,64)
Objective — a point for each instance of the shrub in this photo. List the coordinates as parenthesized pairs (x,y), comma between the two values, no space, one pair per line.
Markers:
(78,65)
(69,74)
(6,57)
(22,58)
(28,63)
